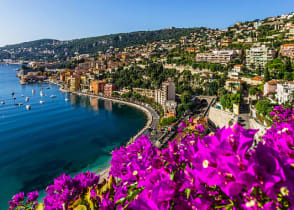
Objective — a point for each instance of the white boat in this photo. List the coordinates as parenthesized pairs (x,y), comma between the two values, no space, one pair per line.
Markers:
(33,91)
(53,96)
(41,102)
(41,93)
(2,102)
(28,107)
(22,95)
(27,99)
(67,99)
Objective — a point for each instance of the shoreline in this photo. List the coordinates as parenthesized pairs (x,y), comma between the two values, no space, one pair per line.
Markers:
(104,173)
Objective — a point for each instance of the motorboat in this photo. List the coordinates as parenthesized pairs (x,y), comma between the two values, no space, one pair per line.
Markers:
(33,91)
(16,104)
(27,99)
(28,107)
(22,95)
(41,93)
(66,99)
(14,97)
(48,88)
(2,102)
(53,96)
(20,104)
(12,93)
(42,102)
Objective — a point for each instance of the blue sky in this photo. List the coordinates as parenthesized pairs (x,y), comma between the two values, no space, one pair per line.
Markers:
(26,20)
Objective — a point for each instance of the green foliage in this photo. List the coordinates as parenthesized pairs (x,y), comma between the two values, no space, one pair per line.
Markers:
(264,107)
(266,75)
(167,121)
(228,100)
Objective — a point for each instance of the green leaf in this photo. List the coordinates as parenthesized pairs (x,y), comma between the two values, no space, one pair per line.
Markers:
(188,192)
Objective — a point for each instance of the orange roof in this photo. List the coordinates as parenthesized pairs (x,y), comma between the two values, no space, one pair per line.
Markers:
(272,82)
(258,78)
(234,80)
(288,45)
(238,65)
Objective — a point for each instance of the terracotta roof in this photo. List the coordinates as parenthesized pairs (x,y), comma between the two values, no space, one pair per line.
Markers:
(272,82)
(258,78)
(288,45)
(238,65)
(234,80)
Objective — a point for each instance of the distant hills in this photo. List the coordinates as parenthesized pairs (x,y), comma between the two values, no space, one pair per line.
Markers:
(49,49)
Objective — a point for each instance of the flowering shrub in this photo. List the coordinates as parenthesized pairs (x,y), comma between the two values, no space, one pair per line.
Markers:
(222,170)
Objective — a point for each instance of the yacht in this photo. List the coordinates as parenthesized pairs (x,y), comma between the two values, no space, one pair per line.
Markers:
(27,99)
(42,102)
(28,107)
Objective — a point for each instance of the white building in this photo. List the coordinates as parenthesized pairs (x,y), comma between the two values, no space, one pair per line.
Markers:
(284,92)
(166,93)
(259,56)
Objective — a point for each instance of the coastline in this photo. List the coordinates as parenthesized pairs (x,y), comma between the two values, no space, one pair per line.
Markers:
(105,172)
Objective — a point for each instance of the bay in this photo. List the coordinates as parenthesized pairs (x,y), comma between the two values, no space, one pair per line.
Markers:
(56,137)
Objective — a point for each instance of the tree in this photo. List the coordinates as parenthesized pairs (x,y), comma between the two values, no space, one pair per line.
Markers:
(266,75)
(185,97)
(231,86)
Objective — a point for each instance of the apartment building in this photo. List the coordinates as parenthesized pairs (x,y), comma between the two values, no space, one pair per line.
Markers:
(284,92)
(257,57)
(287,50)
(218,56)
(167,92)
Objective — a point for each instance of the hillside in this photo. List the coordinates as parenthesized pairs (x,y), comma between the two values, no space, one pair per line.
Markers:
(48,49)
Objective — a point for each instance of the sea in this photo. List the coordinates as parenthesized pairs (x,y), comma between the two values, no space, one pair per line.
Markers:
(55,137)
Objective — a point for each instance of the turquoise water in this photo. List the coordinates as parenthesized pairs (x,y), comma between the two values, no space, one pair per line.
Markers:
(57,136)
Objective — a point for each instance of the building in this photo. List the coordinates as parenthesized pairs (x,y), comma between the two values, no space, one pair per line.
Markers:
(287,50)
(285,92)
(97,86)
(167,92)
(218,56)
(109,88)
(144,92)
(255,81)
(233,85)
(270,87)
(238,68)
(75,81)
(170,109)
(257,57)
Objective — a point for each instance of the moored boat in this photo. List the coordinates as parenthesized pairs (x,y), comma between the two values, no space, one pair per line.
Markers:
(53,96)
(2,102)
(41,93)
(42,102)
(66,99)
(12,93)
(28,107)
(27,99)
(33,91)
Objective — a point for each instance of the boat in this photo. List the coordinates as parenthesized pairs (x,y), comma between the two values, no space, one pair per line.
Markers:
(42,102)
(33,91)
(41,93)
(27,99)
(66,99)
(16,104)
(20,104)
(14,97)
(12,93)
(53,96)
(48,88)
(2,102)
(22,95)
(28,107)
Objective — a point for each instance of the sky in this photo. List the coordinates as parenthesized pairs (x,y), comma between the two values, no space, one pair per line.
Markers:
(27,20)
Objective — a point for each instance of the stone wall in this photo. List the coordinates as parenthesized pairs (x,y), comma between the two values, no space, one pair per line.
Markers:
(220,118)
(253,124)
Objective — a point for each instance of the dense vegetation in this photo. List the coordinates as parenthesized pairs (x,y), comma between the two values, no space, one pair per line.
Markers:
(63,49)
